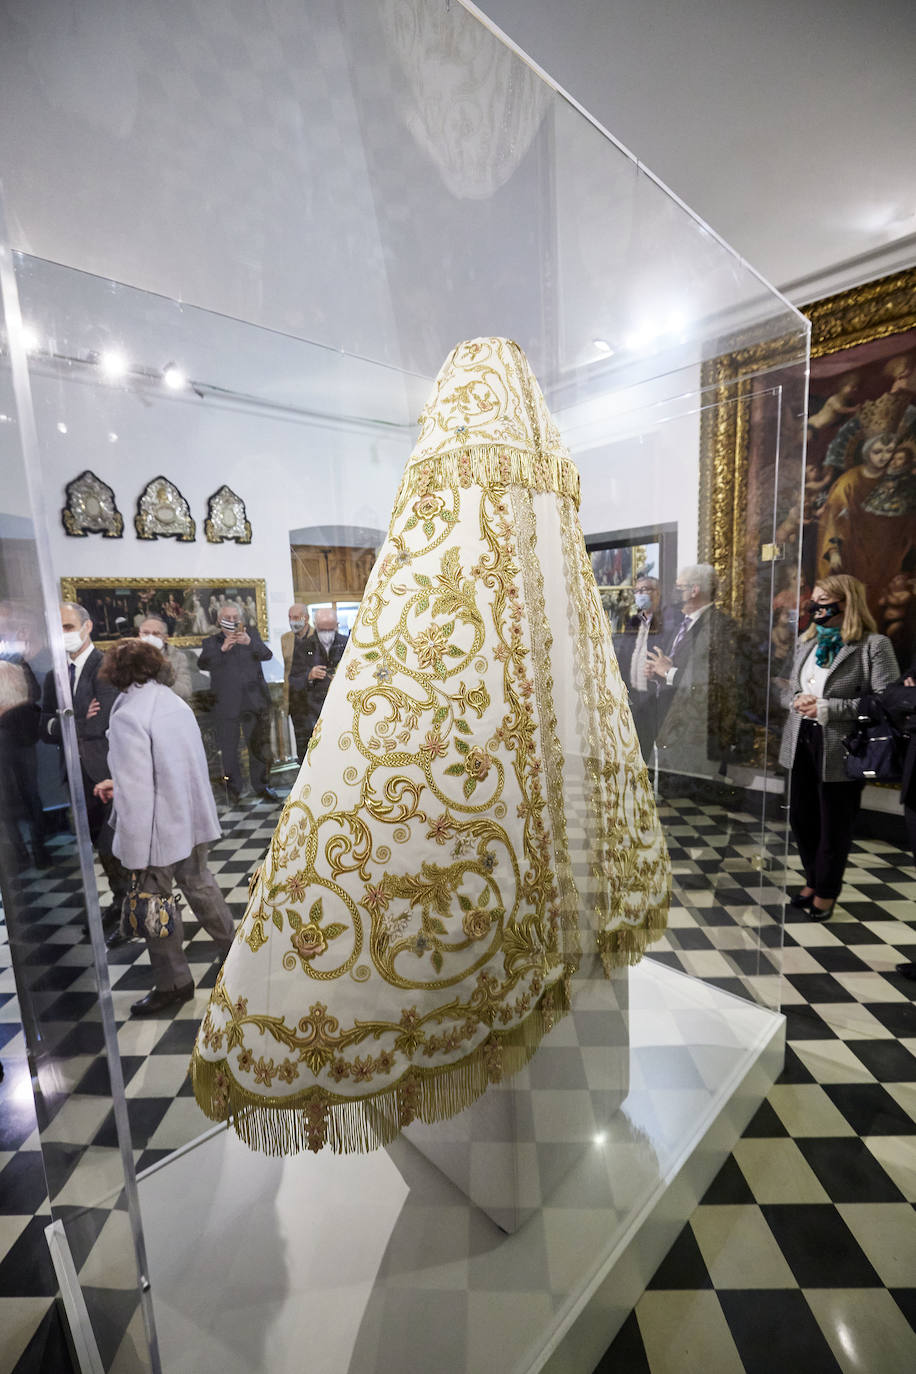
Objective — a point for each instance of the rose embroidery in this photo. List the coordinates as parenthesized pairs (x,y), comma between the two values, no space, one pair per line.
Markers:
(308,941)
(476,923)
(477,763)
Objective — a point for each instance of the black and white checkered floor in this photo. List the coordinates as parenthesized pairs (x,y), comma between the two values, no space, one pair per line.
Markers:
(803,1251)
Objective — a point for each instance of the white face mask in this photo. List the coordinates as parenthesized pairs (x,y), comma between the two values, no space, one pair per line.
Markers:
(297,624)
(156,642)
(73,641)
(327,637)
(229,626)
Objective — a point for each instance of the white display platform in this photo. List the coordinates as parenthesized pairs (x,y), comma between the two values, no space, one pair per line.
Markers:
(497,1152)
(377,1264)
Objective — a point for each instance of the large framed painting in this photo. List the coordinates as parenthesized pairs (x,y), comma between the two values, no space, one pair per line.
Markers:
(860,474)
(852,508)
(620,557)
(189,606)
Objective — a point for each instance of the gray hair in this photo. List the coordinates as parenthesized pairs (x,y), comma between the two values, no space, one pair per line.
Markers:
(702,575)
(79,611)
(232,606)
(158,619)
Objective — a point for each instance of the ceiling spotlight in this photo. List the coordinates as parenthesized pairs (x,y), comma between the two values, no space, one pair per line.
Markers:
(173,377)
(61,427)
(602,348)
(112,437)
(113,363)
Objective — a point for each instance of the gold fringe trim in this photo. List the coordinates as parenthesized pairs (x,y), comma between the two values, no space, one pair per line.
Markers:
(627,944)
(318,1118)
(491,465)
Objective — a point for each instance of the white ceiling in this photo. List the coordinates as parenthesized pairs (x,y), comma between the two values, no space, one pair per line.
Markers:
(788,125)
(364,174)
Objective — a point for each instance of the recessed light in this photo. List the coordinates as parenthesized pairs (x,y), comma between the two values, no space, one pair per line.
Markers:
(173,377)
(113,363)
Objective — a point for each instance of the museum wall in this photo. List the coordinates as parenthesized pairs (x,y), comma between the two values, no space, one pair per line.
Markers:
(290,475)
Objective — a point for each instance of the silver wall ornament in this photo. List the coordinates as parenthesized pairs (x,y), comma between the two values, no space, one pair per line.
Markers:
(163,513)
(226,518)
(91,508)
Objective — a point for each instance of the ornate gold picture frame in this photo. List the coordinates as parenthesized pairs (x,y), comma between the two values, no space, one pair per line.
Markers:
(754,412)
(189,606)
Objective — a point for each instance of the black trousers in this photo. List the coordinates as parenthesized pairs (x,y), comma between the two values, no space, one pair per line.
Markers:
(255,726)
(644,706)
(303,721)
(98,814)
(821,814)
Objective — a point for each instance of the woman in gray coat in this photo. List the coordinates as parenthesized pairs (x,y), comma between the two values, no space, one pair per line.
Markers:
(164,814)
(839,659)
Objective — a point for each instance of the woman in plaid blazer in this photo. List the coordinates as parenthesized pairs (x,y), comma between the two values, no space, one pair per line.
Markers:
(837,660)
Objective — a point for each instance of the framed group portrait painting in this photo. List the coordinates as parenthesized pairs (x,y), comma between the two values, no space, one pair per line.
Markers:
(190,607)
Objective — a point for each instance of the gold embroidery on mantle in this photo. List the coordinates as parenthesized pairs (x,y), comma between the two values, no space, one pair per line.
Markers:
(417,896)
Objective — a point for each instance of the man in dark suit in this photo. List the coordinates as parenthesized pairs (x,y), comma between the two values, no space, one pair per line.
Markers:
(315,660)
(233,659)
(92,699)
(644,632)
(699,675)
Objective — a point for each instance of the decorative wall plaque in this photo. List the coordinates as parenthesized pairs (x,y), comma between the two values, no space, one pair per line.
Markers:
(91,508)
(226,518)
(163,513)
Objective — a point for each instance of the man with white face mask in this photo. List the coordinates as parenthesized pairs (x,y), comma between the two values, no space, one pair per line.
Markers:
(295,703)
(92,702)
(634,645)
(315,660)
(155,631)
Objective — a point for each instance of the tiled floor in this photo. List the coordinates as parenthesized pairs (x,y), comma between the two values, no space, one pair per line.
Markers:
(802,1255)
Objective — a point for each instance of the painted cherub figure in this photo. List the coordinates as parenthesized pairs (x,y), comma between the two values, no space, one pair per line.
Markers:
(894,603)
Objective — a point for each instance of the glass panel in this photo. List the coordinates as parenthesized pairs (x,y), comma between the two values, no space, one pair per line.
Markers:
(50,910)
(188,466)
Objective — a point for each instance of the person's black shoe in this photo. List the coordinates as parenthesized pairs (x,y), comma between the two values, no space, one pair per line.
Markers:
(268,794)
(111,915)
(158,1000)
(116,938)
(816,913)
(907,970)
(801,903)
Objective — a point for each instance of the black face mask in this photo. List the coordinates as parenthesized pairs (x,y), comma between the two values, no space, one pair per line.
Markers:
(822,611)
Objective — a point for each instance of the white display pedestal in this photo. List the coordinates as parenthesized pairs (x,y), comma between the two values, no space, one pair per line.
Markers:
(377,1264)
(495,1152)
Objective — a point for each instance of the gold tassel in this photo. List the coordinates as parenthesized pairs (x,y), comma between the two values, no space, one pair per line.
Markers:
(625,945)
(491,465)
(318,1118)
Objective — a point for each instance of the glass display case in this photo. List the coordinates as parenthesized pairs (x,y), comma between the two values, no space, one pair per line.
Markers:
(163,460)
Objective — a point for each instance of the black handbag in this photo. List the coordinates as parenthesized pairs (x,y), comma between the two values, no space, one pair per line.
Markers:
(876,748)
